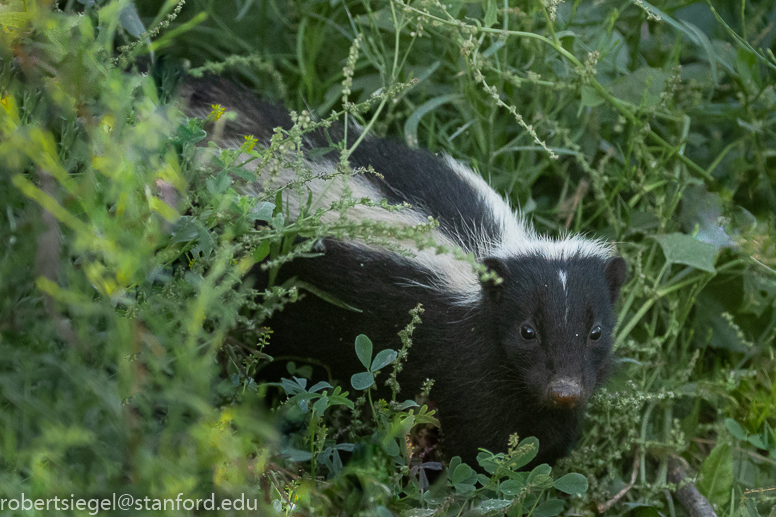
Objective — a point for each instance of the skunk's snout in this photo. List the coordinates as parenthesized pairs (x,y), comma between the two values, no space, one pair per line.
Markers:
(565,393)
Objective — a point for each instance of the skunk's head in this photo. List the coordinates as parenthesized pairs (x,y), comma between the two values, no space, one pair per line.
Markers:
(555,321)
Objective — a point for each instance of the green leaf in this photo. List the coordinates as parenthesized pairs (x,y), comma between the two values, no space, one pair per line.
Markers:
(382,359)
(364,350)
(411,125)
(540,476)
(14,19)
(130,20)
(340,400)
(642,87)
(261,251)
(680,248)
(289,386)
(751,508)
(548,508)
(759,293)
(263,212)
(757,441)
(323,295)
(392,448)
(590,97)
(319,386)
(512,486)
(461,473)
(573,483)
(491,505)
(382,511)
(716,475)
(544,468)
(541,481)
(218,184)
(454,462)
(362,381)
(321,405)
(490,14)
(487,460)
(526,451)
(464,488)
(319,152)
(298,455)
(735,429)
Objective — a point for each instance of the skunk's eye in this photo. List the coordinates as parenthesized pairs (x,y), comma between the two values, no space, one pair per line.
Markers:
(527,332)
(595,334)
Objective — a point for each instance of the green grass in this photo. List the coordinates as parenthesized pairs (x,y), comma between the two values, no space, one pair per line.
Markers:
(650,125)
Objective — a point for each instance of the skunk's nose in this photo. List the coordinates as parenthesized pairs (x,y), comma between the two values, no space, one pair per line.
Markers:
(565,393)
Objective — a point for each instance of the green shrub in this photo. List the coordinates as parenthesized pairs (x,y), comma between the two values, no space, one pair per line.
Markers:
(127,240)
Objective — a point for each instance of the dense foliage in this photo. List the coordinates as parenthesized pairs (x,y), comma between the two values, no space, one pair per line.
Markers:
(129,340)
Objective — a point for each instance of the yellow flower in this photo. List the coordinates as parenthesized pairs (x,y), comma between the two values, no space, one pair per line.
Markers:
(218,110)
(250,142)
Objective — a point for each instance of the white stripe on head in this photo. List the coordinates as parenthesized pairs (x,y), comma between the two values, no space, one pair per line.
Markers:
(517,238)
(563,277)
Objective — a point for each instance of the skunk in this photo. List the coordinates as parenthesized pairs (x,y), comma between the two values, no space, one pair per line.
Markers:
(522,355)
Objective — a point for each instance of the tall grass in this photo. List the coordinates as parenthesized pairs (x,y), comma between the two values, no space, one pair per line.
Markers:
(121,274)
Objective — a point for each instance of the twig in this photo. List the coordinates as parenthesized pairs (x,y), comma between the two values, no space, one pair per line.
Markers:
(602,507)
(575,201)
(687,493)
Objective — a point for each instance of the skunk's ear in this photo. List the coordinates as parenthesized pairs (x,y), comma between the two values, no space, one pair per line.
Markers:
(615,271)
(494,286)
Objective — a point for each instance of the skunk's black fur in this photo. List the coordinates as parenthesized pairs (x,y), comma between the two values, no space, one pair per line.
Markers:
(520,357)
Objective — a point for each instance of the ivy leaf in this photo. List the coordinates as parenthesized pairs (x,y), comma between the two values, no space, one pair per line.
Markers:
(573,483)
(364,350)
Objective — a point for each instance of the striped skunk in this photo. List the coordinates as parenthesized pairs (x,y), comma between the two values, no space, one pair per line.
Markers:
(520,356)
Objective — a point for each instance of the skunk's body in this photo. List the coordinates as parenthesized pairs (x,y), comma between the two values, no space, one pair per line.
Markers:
(519,357)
